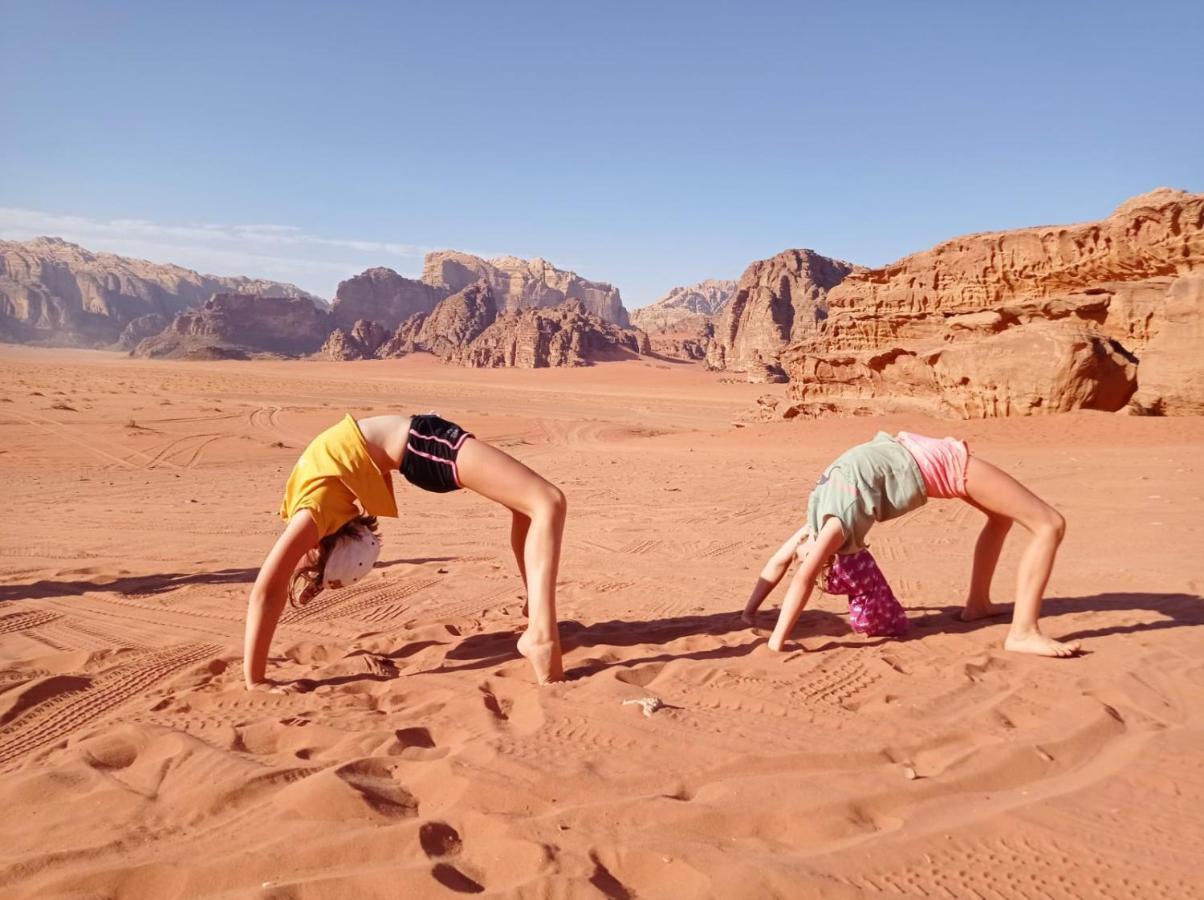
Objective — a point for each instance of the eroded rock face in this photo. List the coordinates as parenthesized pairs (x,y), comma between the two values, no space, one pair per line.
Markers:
(777,301)
(536,338)
(381,295)
(454,323)
(1171,374)
(140,329)
(237,326)
(362,342)
(703,300)
(522,284)
(55,292)
(1021,322)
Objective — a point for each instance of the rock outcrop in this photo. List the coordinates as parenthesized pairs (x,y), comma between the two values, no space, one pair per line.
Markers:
(777,301)
(702,300)
(1036,320)
(238,326)
(1171,375)
(362,341)
(453,324)
(55,292)
(539,337)
(381,295)
(523,284)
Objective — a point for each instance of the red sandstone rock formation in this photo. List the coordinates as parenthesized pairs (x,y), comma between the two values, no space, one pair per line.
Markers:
(777,301)
(381,295)
(362,342)
(54,292)
(536,338)
(237,326)
(454,323)
(1020,322)
(521,284)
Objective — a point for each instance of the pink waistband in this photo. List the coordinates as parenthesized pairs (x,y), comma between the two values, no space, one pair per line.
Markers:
(942,463)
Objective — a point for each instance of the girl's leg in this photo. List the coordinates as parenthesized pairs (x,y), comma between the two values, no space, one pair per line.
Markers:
(519,526)
(772,574)
(986,557)
(997,493)
(827,542)
(503,479)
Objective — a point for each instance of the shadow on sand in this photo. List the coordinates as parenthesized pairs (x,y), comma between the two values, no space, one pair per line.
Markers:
(143,585)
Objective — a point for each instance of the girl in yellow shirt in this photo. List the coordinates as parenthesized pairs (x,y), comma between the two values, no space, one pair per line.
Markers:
(343,481)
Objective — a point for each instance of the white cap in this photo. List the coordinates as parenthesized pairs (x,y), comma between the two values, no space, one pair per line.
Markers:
(351,559)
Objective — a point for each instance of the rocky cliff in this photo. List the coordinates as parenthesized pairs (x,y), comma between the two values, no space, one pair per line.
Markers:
(522,284)
(54,292)
(362,341)
(453,324)
(237,326)
(1020,322)
(540,337)
(381,295)
(777,301)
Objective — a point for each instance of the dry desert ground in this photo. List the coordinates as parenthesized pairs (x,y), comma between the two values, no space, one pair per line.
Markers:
(416,758)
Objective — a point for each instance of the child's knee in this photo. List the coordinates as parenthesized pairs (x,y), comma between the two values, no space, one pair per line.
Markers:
(1053,524)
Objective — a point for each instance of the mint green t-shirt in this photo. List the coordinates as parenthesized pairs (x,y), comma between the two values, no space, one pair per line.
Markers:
(869,483)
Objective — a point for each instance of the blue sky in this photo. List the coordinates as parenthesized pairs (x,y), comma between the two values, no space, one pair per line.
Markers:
(646,144)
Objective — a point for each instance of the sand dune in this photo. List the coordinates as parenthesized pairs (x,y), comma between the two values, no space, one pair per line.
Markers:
(415,758)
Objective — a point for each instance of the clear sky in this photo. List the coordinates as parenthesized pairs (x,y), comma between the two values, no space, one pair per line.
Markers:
(649,144)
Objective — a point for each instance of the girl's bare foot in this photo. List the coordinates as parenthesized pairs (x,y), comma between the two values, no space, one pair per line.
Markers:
(748,618)
(981,609)
(1037,644)
(543,655)
(775,644)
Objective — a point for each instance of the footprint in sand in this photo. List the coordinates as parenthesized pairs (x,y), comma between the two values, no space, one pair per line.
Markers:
(440,841)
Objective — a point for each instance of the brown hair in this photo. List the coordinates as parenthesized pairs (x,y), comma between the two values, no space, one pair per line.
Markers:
(307,579)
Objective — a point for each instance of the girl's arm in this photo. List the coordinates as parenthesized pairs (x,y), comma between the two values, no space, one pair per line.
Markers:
(772,574)
(270,593)
(826,543)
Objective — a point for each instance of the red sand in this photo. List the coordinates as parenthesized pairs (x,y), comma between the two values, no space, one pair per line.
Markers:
(420,760)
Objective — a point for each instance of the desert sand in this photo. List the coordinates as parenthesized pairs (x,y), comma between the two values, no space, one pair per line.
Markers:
(416,758)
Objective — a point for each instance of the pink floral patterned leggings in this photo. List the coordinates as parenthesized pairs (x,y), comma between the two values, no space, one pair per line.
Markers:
(873,608)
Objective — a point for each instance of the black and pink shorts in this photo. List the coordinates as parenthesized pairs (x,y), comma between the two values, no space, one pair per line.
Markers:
(429,461)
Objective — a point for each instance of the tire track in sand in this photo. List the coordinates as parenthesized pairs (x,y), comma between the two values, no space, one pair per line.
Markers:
(66,714)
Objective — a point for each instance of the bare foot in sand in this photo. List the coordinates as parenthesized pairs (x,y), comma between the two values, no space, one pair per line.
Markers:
(1037,644)
(775,645)
(544,657)
(984,609)
(748,618)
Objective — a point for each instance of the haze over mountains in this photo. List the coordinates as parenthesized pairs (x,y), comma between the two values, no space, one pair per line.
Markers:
(1099,315)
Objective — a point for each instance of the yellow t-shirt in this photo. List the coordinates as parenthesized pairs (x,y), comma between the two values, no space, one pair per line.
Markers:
(333,473)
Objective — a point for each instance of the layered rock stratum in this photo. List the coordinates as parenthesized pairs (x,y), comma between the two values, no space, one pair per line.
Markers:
(777,301)
(54,292)
(1098,315)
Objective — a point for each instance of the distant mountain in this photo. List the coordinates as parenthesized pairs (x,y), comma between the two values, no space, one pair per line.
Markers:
(468,329)
(707,298)
(523,284)
(55,292)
